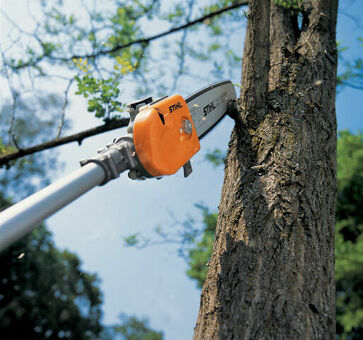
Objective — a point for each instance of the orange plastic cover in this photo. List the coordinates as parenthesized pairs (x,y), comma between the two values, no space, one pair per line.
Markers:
(162,142)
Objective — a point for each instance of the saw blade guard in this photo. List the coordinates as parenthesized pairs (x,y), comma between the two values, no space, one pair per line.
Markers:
(164,136)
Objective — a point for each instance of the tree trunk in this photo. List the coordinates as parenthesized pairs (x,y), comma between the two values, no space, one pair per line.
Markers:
(271,274)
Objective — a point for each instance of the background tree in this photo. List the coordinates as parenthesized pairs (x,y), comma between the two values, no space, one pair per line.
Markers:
(133,328)
(349,236)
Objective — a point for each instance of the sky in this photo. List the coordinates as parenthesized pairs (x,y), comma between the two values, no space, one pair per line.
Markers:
(152,282)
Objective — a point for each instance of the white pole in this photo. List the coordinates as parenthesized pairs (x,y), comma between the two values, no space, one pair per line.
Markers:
(24,216)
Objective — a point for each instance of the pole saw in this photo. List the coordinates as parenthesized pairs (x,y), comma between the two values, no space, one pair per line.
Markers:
(162,136)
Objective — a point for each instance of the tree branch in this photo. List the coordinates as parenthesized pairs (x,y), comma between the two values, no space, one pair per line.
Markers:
(351,85)
(77,137)
(162,34)
(141,40)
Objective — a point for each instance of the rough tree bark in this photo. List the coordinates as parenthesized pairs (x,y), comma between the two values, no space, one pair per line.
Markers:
(271,274)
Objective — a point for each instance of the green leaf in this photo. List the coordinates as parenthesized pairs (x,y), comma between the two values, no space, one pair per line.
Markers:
(131,240)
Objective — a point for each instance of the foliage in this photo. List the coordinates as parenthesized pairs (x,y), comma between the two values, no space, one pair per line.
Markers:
(290,4)
(103,92)
(349,237)
(132,328)
(5,149)
(215,157)
(131,240)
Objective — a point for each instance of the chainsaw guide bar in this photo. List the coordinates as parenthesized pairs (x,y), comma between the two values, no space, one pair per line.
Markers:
(209,106)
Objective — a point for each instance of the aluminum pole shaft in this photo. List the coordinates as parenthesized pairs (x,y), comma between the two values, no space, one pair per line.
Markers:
(24,216)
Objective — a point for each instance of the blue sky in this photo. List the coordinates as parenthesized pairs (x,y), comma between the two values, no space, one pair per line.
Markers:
(152,282)
(349,101)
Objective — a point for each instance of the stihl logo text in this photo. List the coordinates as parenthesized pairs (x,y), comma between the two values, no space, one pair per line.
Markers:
(208,108)
(175,107)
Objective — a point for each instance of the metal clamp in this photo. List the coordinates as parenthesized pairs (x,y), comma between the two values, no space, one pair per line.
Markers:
(116,158)
(120,155)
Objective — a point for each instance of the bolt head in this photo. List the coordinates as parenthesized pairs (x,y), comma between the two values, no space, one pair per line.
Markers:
(187,127)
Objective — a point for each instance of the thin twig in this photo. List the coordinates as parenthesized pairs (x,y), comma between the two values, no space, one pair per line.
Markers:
(15,142)
(65,103)
(353,86)
(14,95)
(182,47)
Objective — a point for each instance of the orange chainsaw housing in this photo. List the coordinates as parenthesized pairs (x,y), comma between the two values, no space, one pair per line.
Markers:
(161,143)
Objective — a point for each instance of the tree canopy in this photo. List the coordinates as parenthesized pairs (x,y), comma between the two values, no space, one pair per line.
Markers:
(349,236)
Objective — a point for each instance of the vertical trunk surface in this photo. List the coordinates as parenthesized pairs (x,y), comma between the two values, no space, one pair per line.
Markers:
(271,274)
